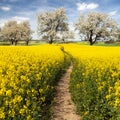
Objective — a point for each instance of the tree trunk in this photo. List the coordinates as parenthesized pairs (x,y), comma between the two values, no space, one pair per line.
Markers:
(27,42)
(90,38)
(16,42)
(12,42)
(51,40)
(95,39)
(63,40)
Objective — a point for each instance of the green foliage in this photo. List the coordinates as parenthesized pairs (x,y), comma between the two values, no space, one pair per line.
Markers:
(90,90)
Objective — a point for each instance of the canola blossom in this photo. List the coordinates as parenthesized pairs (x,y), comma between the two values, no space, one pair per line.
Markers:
(95,81)
(28,76)
(27,79)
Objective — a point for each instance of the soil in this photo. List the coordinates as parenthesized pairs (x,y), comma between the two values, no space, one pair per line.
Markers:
(64,108)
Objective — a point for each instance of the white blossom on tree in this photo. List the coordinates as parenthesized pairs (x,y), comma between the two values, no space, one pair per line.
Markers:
(95,25)
(9,31)
(67,35)
(14,32)
(25,31)
(51,23)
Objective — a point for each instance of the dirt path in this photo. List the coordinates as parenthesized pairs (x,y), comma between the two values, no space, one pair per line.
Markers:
(64,108)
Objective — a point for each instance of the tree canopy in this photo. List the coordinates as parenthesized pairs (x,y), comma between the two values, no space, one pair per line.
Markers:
(14,32)
(54,25)
(51,23)
(95,25)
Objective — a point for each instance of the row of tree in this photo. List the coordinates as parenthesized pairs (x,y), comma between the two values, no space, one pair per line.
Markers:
(91,27)
(54,25)
(14,32)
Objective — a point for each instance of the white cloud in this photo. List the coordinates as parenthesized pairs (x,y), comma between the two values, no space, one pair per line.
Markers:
(92,6)
(5,8)
(2,22)
(20,19)
(16,18)
(113,13)
(85,6)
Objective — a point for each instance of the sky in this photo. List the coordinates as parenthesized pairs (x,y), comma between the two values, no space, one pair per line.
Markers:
(21,10)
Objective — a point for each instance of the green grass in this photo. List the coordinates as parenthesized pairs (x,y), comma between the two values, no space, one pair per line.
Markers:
(99,43)
(107,44)
(22,43)
(35,43)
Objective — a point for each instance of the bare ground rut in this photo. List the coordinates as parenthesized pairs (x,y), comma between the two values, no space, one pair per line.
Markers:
(64,108)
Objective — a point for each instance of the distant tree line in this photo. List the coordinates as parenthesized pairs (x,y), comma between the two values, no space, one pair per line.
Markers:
(14,32)
(91,27)
(54,25)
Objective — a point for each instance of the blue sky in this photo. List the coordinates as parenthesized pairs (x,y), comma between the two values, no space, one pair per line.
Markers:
(20,10)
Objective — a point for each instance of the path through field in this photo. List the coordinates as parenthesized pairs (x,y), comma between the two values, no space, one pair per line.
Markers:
(64,108)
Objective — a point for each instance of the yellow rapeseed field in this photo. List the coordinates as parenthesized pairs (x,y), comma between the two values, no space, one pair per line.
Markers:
(28,76)
(27,79)
(95,81)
